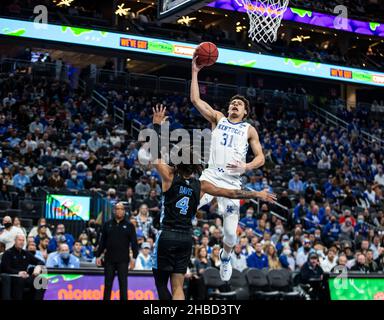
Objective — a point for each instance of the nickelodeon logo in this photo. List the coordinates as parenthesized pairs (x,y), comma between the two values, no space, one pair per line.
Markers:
(97,294)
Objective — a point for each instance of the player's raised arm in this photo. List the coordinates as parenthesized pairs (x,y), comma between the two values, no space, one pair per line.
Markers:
(207,187)
(204,108)
(165,170)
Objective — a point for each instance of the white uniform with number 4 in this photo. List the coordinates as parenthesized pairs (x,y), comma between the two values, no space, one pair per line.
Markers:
(229,143)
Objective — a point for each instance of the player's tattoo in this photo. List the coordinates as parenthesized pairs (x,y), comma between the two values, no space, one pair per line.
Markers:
(243,194)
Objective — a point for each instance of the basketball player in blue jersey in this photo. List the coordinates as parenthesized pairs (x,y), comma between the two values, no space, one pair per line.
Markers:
(230,139)
(182,192)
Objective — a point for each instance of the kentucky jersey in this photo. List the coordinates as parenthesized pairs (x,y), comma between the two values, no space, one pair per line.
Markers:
(229,143)
(179,204)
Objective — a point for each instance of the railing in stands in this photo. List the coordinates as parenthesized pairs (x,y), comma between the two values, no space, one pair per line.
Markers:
(335,120)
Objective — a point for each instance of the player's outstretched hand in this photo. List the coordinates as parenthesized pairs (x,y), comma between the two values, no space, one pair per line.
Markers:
(159,114)
(237,167)
(265,195)
(195,66)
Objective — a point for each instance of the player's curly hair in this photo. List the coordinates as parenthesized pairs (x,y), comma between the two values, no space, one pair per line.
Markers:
(246,103)
(187,169)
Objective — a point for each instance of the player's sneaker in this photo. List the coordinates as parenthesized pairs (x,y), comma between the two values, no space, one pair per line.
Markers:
(225,267)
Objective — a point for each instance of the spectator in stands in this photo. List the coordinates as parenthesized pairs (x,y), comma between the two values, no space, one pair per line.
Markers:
(214,257)
(286,259)
(273,259)
(41,233)
(95,142)
(324,163)
(9,100)
(295,184)
(74,183)
(312,220)
(238,261)
(34,231)
(330,261)
(370,262)
(60,236)
(17,261)
(143,260)
(42,249)
(216,238)
(379,177)
(255,182)
(361,264)
(142,188)
(93,232)
(36,125)
(201,261)
(17,223)
(55,181)
(346,230)
(63,259)
(304,252)
(132,155)
(20,179)
(144,221)
(300,211)
(39,179)
(249,221)
(331,231)
(9,233)
(77,251)
(311,269)
(152,203)
(258,259)
(87,250)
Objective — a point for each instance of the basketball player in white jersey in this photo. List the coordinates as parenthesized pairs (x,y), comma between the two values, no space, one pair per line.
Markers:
(229,145)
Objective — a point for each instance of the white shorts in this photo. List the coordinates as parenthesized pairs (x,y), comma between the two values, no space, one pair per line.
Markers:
(226,206)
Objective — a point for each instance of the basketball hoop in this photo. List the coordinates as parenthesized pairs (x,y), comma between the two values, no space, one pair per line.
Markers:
(265,18)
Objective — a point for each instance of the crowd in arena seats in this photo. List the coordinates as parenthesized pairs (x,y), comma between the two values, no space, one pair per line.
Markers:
(330,181)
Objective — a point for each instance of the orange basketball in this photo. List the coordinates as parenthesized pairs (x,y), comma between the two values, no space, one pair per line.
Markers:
(206,53)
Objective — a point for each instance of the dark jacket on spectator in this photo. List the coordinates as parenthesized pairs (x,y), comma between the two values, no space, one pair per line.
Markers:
(307,272)
(56,184)
(14,261)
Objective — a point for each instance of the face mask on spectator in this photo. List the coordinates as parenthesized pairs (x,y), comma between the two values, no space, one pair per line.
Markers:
(249,214)
(84,242)
(89,178)
(7,225)
(74,176)
(64,255)
(360,221)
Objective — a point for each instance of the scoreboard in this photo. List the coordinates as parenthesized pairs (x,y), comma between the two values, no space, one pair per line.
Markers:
(171,10)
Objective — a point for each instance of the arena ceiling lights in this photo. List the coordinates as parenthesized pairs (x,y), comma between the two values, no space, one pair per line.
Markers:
(174,49)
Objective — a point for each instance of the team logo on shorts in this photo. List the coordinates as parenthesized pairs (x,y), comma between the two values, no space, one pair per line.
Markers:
(230,209)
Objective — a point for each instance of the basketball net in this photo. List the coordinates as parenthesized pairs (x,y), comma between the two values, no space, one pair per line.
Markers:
(265,18)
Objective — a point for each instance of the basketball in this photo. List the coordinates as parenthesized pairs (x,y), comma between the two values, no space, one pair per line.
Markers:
(206,53)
